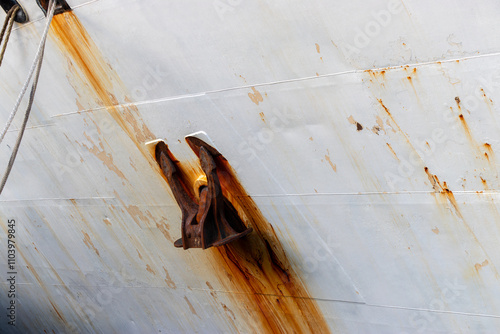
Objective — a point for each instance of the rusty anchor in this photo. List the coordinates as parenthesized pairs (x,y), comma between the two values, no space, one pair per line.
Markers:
(211,221)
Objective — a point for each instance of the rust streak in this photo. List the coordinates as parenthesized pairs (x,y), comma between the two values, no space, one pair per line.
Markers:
(327,157)
(88,242)
(191,308)
(168,280)
(99,80)
(258,267)
(392,151)
(149,269)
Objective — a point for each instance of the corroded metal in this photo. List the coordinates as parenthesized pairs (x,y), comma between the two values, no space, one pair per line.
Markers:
(61,6)
(213,220)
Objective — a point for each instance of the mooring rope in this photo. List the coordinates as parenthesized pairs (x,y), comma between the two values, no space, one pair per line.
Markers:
(7,28)
(37,65)
(50,14)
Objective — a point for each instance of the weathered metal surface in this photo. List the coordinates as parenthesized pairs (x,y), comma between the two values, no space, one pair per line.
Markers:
(389,170)
(210,221)
(61,6)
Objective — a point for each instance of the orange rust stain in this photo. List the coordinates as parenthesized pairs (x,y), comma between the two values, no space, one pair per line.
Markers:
(134,212)
(227,309)
(394,123)
(89,242)
(489,154)
(311,138)
(164,230)
(139,254)
(168,280)
(256,97)
(435,230)
(149,269)
(484,183)
(317,47)
(392,151)
(99,81)
(380,125)
(467,130)
(106,158)
(261,114)
(376,74)
(443,190)
(258,267)
(489,102)
(327,157)
(478,266)
(191,308)
(107,221)
(351,120)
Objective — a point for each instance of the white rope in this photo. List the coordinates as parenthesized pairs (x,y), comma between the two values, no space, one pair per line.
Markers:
(37,65)
(50,14)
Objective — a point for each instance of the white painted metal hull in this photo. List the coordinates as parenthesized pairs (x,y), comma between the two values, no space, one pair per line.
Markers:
(367,135)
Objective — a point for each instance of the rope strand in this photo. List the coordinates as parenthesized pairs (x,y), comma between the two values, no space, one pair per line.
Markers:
(38,66)
(7,27)
(50,14)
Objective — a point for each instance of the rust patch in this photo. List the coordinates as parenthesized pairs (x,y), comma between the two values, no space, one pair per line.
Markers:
(327,157)
(256,97)
(149,269)
(191,308)
(435,230)
(258,267)
(317,47)
(106,158)
(351,120)
(107,221)
(88,242)
(168,280)
(380,126)
(164,230)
